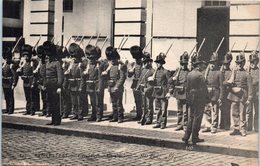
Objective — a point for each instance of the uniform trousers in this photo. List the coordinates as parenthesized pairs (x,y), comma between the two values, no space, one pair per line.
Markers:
(76,103)
(252,114)
(239,115)
(100,104)
(117,105)
(211,115)
(182,113)
(138,102)
(147,111)
(66,102)
(161,105)
(28,98)
(225,114)
(53,104)
(9,99)
(35,98)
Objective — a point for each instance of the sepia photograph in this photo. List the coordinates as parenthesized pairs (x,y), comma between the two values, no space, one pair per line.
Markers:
(130,82)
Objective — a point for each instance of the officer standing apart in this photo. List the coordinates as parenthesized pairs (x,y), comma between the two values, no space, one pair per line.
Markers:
(137,54)
(9,80)
(213,78)
(197,98)
(252,110)
(116,75)
(240,95)
(178,89)
(160,79)
(146,89)
(53,82)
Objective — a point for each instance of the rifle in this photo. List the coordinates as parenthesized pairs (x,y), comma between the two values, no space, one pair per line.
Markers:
(36,44)
(169,49)
(52,40)
(123,44)
(193,49)
(148,44)
(245,47)
(104,42)
(201,45)
(66,44)
(90,40)
(16,44)
(97,39)
(220,44)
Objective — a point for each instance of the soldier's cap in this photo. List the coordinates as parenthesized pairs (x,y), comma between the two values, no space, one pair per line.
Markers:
(184,58)
(7,53)
(92,52)
(111,53)
(160,58)
(147,57)
(49,48)
(27,50)
(40,50)
(213,58)
(240,57)
(253,56)
(136,52)
(227,58)
(75,51)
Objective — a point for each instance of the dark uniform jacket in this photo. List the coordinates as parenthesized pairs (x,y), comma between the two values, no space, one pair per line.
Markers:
(254,72)
(143,85)
(42,71)
(116,77)
(9,76)
(161,83)
(241,89)
(197,92)
(74,79)
(214,81)
(26,74)
(136,73)
(53,75)
(91,79)
(178,87)
(226,87)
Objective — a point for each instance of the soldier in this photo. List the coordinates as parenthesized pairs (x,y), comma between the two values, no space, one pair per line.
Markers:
(74,73)
(253,106)
(137,54)
(214,83)
(178,89)
(146,89)
(90,80)
(160,79)
(53,82)
(196,98)
(225,104)
(240,95)
(116,75)
(26,72)
(9,80)
(42,56)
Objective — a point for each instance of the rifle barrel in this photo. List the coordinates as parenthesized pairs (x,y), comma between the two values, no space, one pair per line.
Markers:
(169,48)
(90,40)
(201,44)
(193,49)
(97,39)
(220,44)
(232,46)
(148,44)
(16,44)
(104,42)
(121,42)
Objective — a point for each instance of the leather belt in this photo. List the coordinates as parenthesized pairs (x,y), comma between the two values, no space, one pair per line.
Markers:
(91,81)
(178,87)
(157,87)
(26,76)
(74,79)
(7,78)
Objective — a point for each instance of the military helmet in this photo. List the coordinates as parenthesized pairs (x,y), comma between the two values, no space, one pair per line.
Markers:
(228,58)
(49,49)
(196,59)
(240,57)
(214,57)
(40,51)
(254,56)
(75,51)
(160,58)
(184,58)
(92,52)
(111,53)
(147,57)
(27,50)
(136,52)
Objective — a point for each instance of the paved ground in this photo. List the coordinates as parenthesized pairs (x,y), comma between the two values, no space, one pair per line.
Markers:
(22,147)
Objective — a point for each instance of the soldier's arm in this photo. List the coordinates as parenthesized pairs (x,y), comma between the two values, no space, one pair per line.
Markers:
(122,76)
(249,85)
(59,74)
(82,80)
(220,79)
(15,77)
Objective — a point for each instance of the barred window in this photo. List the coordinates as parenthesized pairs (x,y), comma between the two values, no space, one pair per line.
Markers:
(67,5)
(215,3)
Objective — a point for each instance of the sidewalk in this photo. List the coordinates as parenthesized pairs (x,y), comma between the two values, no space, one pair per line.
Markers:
(131,132)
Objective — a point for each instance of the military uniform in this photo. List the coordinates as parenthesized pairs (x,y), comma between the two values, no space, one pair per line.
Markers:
(178,88)
(53,81)
(137,54)
(90,79)
(35,86)
(240,94)
(9,81)
(161,78)
(146,89)
(252,119)
(116,76)
(197,98)
(225,104)
(214,84)
(26,73)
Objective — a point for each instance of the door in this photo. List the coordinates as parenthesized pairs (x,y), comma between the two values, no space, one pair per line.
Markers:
(213,24)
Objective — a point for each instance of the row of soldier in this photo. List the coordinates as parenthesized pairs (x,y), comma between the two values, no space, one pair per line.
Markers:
(66,78)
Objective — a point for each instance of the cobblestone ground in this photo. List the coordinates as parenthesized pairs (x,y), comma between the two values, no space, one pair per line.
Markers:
(20,147)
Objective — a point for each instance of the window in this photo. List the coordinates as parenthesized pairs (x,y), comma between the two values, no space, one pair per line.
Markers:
(12,9)
(67,5)
(215,3)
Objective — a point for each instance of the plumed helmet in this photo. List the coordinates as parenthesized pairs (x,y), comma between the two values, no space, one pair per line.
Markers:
(49,49)
(240,57)
(136,52)
(27,50)
(111,53)
(254,56)
(228,58)
(160,58)
(184,58)
(147,57)
(214,57)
